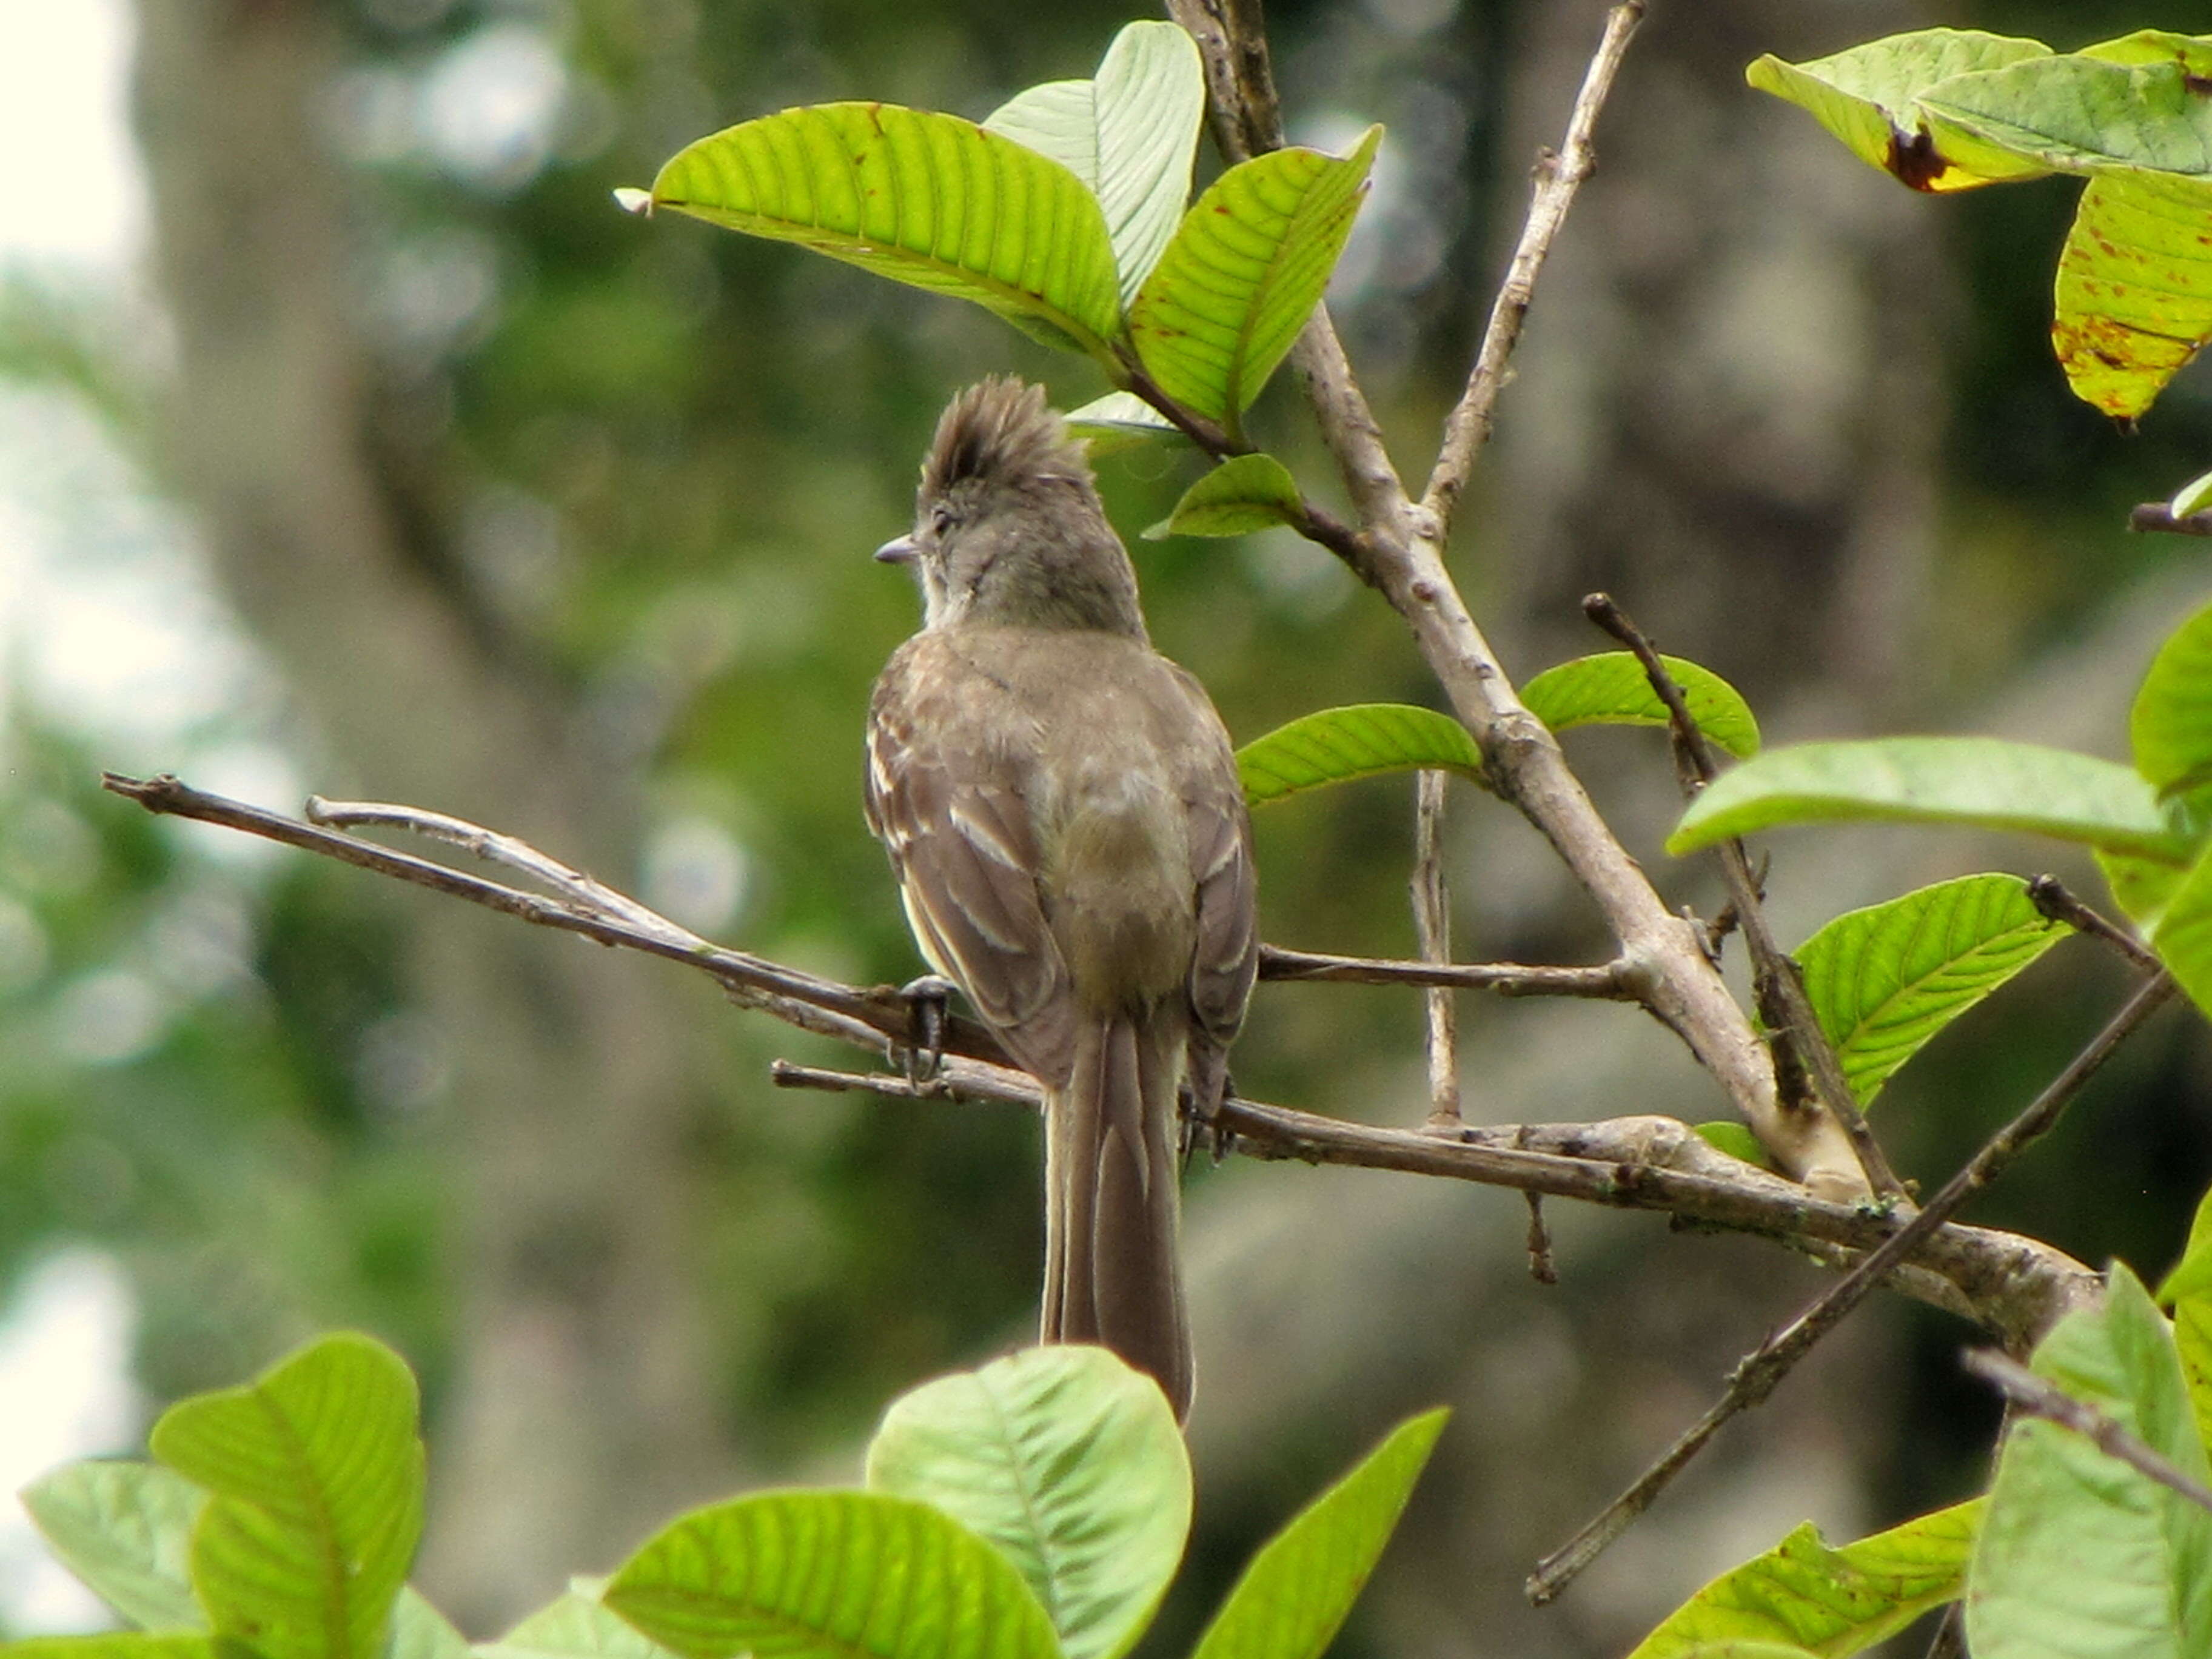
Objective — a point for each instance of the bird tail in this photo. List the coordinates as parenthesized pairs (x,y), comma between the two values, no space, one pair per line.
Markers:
(1112,1274)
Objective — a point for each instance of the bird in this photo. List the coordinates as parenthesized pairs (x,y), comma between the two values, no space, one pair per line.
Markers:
(1061,806)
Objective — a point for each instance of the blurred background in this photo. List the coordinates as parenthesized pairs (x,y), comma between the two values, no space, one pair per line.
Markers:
(351,439)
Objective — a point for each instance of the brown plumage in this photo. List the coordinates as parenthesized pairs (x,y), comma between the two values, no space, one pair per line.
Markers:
(1061,804)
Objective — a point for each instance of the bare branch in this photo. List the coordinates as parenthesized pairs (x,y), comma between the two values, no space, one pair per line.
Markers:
(2031,1394)
(585,892)
(2158,516)
(2013,1285)
(1560,174)
(2054,899)
(1776,981)
(1755,1378)
(1432,929)
(1612,981)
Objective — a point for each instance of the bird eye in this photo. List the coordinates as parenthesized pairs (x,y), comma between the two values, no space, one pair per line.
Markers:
(940,519)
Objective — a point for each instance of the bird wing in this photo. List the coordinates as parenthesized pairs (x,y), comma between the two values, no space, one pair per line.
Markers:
(954,819)
(1226,959)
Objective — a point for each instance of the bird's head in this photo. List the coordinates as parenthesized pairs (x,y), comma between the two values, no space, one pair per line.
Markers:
(1008,529)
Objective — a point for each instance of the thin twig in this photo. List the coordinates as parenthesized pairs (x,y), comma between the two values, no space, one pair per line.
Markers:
(585,892)
(2016,1286)
(2158,516)
(2054,899)
(1612,982)
(1776,982)
(1950,1638)
(1755,1378)
(2038,1398)
(1432,931)
(1560,174)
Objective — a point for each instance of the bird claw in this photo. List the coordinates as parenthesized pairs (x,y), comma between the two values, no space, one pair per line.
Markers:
(927,1002)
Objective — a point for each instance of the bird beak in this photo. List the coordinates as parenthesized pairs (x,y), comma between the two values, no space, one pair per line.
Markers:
(899,551)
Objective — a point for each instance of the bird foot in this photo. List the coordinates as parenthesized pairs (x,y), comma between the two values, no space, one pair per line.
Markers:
(928,1001)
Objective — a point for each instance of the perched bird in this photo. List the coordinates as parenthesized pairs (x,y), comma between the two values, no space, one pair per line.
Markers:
(1060,805)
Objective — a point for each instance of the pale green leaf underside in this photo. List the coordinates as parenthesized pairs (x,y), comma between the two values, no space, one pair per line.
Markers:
(1244,270)
(574,1626)
(2142,887)
(2133,300)
(2082,114)
(1292,1598)
(1804,1595)
(2192,497)
(1245,493)
(1363,740)
(2170,728)
(1985,782)
(317,1476)
(1070,1464)
(1118,420)
(419,1630)
(1868,97)
(1611,689)
(125,1529)
(1884,980)
(1130,135)
(2188,1290)
(920,198)
(829,1575)
(2079,1553)
(2183,935)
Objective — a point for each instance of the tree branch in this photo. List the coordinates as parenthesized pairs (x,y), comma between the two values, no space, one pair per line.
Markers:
(1432,930)
(2031,1394)
(2011,1286)
(1776,985)
(1405,545)
(1756,1377)
(1559,175)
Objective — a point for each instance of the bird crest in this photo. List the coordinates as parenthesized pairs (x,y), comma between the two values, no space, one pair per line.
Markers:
(1000,433)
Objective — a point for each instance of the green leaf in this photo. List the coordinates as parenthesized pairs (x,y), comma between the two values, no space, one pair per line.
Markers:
(1243,272)
(117,1645)
(1068,1461)
(1986,783)
(2078,113)
(2079,1553)
(2183,937)
(126,1530)
(1884,980)
(1243,494)
(2188,1292)
(2135,289)
(919,197)
(2170,726)
(2142,887)
(1735,1140)
(1611,689)
(2193,51)
(1118,420)
(574,1626)
(1869,97)
(1293,1597)
(1361,740)
(1831,1602)
(2192,497)
(317,1481)
(829,1575)
(1129,135)
(419,1630)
